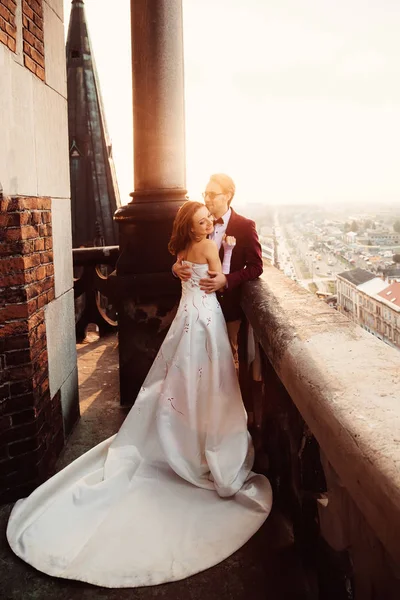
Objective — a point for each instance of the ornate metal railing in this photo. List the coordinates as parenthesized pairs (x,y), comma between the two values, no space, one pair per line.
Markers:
(94,274)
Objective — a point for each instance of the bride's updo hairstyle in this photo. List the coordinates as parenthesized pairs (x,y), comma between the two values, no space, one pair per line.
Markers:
(182,233)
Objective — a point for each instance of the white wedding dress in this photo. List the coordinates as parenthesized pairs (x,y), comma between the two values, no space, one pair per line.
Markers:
(172,493)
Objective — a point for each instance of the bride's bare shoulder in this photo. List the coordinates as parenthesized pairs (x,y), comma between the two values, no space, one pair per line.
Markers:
(210,247)
(208,243)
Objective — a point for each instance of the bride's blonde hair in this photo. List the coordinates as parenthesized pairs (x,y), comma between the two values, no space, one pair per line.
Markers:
(182,233)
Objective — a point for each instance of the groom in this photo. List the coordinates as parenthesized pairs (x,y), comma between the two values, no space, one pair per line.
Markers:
(246,261)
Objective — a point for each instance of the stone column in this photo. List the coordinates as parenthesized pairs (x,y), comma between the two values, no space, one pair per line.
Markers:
(146,290)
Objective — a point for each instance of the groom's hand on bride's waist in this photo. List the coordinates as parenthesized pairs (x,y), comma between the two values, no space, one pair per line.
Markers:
(184,272)
(216,282)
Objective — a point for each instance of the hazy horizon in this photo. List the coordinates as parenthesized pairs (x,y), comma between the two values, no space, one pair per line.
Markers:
(299,104)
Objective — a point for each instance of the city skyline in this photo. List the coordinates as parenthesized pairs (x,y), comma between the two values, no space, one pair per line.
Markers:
(298,107)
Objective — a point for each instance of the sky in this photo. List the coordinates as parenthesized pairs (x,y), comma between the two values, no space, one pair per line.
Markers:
(299,101)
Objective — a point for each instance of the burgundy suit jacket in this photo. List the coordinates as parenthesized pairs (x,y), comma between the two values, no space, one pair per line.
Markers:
(246,264)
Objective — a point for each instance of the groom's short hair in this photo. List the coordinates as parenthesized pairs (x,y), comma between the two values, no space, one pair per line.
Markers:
(226,184)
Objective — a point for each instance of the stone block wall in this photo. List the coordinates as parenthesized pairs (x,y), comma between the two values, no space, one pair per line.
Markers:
(38,371)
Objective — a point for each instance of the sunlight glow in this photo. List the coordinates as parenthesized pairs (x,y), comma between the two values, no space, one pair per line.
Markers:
(298,102)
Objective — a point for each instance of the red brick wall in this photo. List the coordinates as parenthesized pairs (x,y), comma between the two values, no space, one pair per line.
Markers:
(31,427)
(33,37)
(8,29)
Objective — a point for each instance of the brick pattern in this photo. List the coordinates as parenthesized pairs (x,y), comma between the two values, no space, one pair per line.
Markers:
(33,36)
(8,29)
(31,425)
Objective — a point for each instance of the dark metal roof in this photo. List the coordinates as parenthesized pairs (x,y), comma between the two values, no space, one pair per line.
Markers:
(357,276)
(94,189)
(392,271)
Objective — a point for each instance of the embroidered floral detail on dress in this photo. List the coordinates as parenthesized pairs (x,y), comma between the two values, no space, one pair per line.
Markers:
(208,321)
(186,328)
(172,405)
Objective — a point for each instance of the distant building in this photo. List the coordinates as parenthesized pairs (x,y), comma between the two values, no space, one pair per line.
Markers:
(347,283)
(367,307)
(382,237)
(372,303)
(350,237)
(391,274)
(333,232)
(389,298)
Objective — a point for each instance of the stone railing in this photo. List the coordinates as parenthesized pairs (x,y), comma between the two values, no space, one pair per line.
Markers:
(323,398)
(93,289)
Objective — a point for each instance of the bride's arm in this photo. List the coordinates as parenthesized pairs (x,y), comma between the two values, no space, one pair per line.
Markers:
(228,243)
(212,257)
(217,279)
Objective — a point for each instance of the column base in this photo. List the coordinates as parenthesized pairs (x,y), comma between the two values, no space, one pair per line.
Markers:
(147,292)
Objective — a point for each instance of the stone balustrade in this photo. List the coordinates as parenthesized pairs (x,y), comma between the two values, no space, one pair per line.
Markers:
(323,397)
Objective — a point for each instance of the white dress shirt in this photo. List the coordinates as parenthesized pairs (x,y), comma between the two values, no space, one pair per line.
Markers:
(220,228)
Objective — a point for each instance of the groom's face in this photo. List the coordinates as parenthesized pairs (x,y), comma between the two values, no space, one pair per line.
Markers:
(216,200)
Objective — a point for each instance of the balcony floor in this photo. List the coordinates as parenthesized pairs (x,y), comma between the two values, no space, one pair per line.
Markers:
(266,568)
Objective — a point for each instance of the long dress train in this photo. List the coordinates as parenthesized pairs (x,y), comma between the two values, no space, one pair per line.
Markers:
(172,493)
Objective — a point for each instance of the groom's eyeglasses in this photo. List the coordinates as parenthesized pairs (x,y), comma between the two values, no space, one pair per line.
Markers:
(211,195)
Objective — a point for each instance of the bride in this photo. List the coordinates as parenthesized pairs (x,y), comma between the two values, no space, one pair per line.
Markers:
(172,493)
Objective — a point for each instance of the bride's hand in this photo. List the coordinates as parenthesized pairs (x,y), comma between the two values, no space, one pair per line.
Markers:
(228,241)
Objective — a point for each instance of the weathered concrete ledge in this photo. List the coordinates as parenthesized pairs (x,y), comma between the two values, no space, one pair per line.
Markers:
(346,385)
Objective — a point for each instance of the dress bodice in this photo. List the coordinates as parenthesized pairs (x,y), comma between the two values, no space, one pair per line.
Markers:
(199,271)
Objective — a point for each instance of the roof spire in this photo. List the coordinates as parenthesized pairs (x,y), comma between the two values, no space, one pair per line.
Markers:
(94,189)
